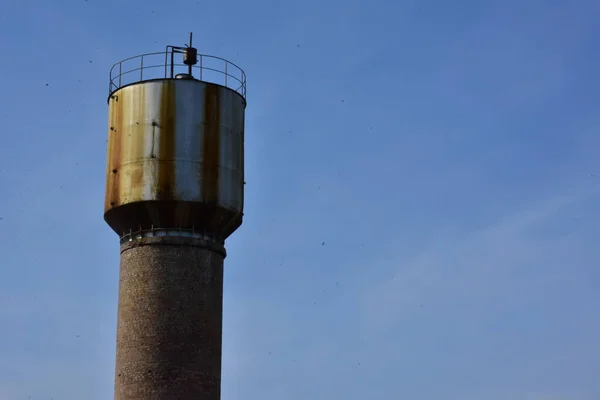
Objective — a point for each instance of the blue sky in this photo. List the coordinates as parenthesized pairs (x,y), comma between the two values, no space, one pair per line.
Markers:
(421,207)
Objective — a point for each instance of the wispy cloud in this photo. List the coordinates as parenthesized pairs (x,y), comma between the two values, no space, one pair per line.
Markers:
(462,295)
(481,265)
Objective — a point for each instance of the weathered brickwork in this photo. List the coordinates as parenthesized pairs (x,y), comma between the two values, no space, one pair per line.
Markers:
(169,320)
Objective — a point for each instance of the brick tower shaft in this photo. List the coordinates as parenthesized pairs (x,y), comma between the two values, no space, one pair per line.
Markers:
(169,319)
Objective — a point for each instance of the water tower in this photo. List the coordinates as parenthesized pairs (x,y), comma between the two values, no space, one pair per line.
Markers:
(174,193)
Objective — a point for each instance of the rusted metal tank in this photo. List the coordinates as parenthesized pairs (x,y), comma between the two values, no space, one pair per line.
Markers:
(175,157)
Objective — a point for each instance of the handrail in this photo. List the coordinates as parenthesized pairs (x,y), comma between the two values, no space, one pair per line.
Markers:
(229,75)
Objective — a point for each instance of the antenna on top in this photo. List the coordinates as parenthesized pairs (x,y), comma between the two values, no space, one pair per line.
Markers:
(190,56)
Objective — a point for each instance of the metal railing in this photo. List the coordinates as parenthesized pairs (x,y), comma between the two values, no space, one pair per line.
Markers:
(145,67)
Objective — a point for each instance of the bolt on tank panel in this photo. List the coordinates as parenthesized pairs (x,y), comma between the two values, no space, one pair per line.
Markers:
(175,154)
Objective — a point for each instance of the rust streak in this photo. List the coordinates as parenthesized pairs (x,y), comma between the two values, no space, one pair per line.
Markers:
(114,172)
(212,126)
(166,144)
(136,141)
(107,195)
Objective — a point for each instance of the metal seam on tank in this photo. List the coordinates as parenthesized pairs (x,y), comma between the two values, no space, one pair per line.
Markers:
(140,139)
(125,185)
(233,169)
(131,151)
(239,123)
(150,138)
(167,140)
(225,152)
(242,178)
(236,179)
(212,110)
(107,184)
(198,137)
(116,151)
(188,145)
(154,146)
(123,182)
(122,145)
(107,193)
(111,153)
(180,128)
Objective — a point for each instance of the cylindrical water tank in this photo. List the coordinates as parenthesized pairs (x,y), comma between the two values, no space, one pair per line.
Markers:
(175,157)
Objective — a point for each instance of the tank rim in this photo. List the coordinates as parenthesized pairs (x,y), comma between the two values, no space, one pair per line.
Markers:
(187,81)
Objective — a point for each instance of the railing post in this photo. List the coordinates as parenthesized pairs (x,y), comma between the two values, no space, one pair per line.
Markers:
(142,68)
(166,62)
(201,58)
(226,73)
(120,70)
(172,63)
